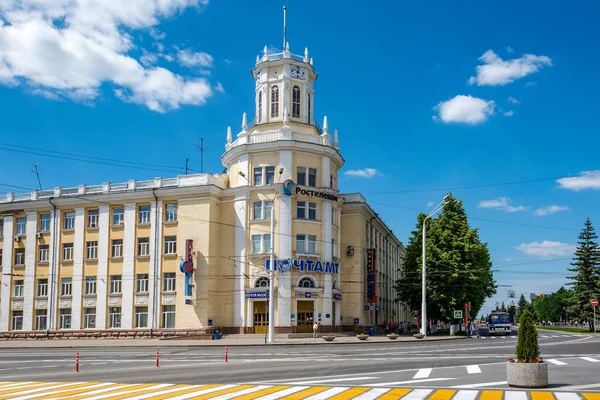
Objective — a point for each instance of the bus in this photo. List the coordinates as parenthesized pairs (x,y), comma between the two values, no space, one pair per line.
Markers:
(499,323)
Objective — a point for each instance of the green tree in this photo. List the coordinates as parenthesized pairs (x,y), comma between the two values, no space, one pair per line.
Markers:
(521,305)
(458,265)
(527,343)
(586,269)
(512,311)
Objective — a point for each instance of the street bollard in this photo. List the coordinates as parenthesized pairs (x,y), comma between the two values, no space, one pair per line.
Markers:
(77,362)
(157,362)
(226,354)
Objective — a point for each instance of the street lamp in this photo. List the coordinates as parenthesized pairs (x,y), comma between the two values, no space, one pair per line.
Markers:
(271,334)
(424,277)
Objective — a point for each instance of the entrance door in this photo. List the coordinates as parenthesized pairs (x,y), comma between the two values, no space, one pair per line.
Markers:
(261,317)
(305,316)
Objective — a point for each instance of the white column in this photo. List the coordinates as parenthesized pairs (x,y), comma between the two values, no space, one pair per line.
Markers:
(239,299)
(54,257)
(283,233)
(326,248)
(29,284)
(155,262)
(78,278)
(128,274)
(102,280)
(7,288)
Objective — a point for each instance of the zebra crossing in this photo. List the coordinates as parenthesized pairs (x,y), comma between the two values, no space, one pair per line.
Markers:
(114,391)
(514,336)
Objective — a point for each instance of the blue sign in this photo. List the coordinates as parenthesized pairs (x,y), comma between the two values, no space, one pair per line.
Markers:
(337,296)
(257,295)
(458,314)
(286,264)
(356,320)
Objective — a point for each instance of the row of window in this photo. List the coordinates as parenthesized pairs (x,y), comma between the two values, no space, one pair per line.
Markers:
(305,244)
(89,318)
(275,103)
(304,176)
(304,210)
(66,285)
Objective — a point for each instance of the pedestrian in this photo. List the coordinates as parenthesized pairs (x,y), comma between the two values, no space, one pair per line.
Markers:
(315,330)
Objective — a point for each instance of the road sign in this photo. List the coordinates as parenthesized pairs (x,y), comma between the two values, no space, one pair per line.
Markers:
(458,313)
(594,302)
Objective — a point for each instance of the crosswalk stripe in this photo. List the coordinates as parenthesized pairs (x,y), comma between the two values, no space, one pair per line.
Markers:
(285,392)
(18,388)
(305,393)
(566,396)
(473,369)
(235,394)
(352,394)
(372,394)
(591,396)
(442,395)
(16,392)
(153,394)
(190,389)
(395,394)
(466,395)
(259,393)
(125,389)
(423,373)
(418,394)
(125,393)
(516,395)
(590,359)
(491,395)
(542,396)
(74,387)
(328,393)
(197,393)
(223,392)
(5,385)
(555,361)
(87,395)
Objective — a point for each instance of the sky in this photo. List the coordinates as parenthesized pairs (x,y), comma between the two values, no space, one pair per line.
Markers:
(496,103)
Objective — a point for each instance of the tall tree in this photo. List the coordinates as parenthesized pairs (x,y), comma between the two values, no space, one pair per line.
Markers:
(586,269)
(521,305)
(458,265)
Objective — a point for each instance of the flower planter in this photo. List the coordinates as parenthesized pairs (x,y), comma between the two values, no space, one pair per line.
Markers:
(419,335)
(328,338)
(392,336)
(527,375)
(362,337)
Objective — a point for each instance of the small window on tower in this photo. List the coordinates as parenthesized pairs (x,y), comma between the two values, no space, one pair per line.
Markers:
(296,102)
(274,102)
(259,116)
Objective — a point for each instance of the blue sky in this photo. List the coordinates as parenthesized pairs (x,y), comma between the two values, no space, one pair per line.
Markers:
(430,95)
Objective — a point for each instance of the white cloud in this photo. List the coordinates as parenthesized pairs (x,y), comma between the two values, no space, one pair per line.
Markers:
(509,49)
(72,47)
(226,61)
(46,94)
(509,113)
(507,259)
(430,204)
(464,109)
(513,100)
(362,173)
(547,249)
(496,71)
(501,203)
(189,58)
(148,59)
(549,210)
(219,88)
(585,180)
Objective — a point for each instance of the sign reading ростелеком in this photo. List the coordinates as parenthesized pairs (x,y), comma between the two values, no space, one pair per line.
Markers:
(289,187)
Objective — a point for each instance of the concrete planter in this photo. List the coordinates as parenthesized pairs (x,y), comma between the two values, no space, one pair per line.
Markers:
(392,336)
(419,335)
(328,338)
(362,337)
(527,375)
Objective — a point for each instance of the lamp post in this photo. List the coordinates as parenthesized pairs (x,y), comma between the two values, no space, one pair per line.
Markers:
(271,327)
(424,269)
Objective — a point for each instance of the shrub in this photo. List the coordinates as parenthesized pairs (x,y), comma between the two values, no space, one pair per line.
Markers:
(528,350)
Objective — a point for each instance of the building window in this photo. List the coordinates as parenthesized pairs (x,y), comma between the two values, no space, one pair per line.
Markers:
(17,320)
(333,248)
(296,102)
(117,248)
(258,175)
(89,318)
(168,316)
(331,181)
(42,287)
(262,282)
(118,216)
(169,282)
(306,244)
(1,227)
(90,285)
(115,284)
(334,217)
(262,209)
(144,215)
(143,246)
(171,214)
(259,107)
(43,253)
(141,317)
(92,250)
(264,175)
(69,220)
(44,223)
(170,244)
(21,226)
(64,318)
(93,219)
(19,256)
(306,176)
(114,317)
(306,283)
(141,284)
(270,175)
(18,288)
(309,108)
(67,251)
(261,244)
(306,210)
(66,286)
(41,320)
(274,102)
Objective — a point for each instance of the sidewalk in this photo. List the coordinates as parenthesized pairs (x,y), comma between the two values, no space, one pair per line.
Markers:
(48,344)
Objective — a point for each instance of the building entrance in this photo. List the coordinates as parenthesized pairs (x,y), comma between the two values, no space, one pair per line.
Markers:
(306,316)
(261,317)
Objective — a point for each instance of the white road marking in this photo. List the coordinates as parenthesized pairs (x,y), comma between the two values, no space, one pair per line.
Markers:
(358,378)
(565,396)
(234,395)
(161,392)
(328,393)
(119,391)
(419,394)
(41,389)
(556,362)
(513,336)
(510,395)
(272,396)
(473,369)
(55,392)
(503,337)
(476,385)
(373,394)
(466,395)
(590,359)
(206,391)
(410,382)
(423,373)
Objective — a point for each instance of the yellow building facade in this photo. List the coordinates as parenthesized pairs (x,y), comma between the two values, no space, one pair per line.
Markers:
(185,253)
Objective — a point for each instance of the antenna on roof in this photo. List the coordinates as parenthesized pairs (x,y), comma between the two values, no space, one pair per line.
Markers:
(284,28)
(37,173)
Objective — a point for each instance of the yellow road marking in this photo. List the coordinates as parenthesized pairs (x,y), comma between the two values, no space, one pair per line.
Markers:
(542,396)
(84,395)
(76,387)
(185,390)
(442,395)
(306,393)
(591,396)
(394,394)
(6,394)
(491,395)
(260,393)
(222,392)
(349,394)
(151,388)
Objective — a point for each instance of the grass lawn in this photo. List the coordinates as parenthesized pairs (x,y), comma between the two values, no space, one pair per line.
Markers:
(565,329)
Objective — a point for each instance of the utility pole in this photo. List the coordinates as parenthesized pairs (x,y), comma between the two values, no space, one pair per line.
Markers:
(202,149)
(186,165)
(37,173)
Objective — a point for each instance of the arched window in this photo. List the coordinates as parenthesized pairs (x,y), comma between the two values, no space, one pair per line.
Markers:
(306,283)
(296,102)
(262,282)
(308,110)
(274,102)
(259,107)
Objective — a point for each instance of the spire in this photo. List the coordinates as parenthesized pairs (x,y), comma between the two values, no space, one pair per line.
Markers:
(244,123)
(306,54)
(228,135)
(325,125)
(335,138)
(311,62)
(257,59)
(265,51)
(284,26)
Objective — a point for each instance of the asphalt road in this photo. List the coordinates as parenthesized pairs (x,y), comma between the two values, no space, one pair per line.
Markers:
(471,363)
